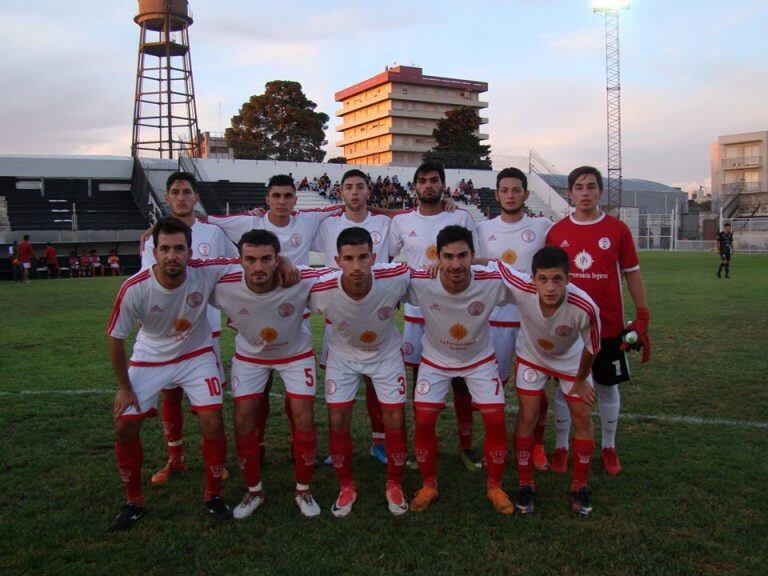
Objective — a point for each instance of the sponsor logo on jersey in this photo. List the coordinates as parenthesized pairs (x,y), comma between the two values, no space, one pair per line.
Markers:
(423,386)
(431,252)
(604,243)
(407,348)
(458,331)
(528,236)
(583,260)
(156,308)
(563,330)
(368,337)
(545,344)
(203,248)
(530,375)
(412,234)
(476,308)
(295,239)
(384,313)
(564,244)
(492,238)
(376,237)
(268,334)
(181,324)
(435,306)
(244,312)
(509,256)
(286,309)
(330,387)
(194,300)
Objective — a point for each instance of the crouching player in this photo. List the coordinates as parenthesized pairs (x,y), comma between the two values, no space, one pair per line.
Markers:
(360,301)
(271,335)
(559,338)
(173,346)
(457,344)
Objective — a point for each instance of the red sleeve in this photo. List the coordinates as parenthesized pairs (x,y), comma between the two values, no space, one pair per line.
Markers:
(627,253)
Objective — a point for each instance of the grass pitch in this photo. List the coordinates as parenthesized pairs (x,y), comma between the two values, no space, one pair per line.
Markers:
(692,498)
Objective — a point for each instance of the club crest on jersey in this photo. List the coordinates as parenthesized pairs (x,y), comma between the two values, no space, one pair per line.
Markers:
(563,330)
(181,324)
(368,337)
(604,243)
(295,239)
(528,236)
(375,237)
(203,248)
(384,313)
(545,344)
(509,256)
(431,252)
(583,260)
(476,308)
(530,375)
(330,387)
(458,331)
(407,348)
(286,309)
(268,334)
(194,300)
(423,386)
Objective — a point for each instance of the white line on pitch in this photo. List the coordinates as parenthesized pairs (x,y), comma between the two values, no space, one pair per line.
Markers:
(669,418)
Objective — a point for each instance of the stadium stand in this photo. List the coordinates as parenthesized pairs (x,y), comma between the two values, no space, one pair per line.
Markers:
(237,196)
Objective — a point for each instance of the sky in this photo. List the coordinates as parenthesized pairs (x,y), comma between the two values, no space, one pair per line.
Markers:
(690,71)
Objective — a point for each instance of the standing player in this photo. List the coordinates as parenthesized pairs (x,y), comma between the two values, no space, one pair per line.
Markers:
(414,232)
(559,338)
(271,335)
(51,261)
(724,245)
(207,242)
(513,237)
(457,344)
(355,191)
(601,249)
(173,346)
(360,301)
(26,255)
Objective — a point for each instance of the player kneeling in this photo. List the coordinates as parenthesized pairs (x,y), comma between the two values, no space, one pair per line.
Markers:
(360,301)
(559,338)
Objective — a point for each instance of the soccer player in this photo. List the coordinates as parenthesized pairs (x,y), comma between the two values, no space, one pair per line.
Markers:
(456,343)
(271,335)
(355,191)
(114,263)
(724,246)
(26,255)
(560,335)
(98,269)
(207,242)
(360,301)
(173,345)
(86,268)
(51,262)
(414,232)
(513,237)
(601,249)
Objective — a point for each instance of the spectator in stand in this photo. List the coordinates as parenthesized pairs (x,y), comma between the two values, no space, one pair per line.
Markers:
(304,185)
(98,269)
(51,262)
(74,265)
(85,264)
(13,256)
(114,263)
(26,255)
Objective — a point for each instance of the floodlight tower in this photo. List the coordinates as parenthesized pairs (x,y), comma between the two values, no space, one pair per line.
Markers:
(612,9)
(164,111)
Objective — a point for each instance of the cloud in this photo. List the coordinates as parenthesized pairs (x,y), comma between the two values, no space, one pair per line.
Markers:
(577,43)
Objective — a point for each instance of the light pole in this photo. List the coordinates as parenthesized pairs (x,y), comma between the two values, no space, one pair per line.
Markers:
(612,9)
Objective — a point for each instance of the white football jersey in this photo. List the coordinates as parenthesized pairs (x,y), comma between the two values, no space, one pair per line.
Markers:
(376,224)
(208,241)
(514,244)
(174,323)
(363,330)
(456,332)
(295,238)
(552,344)
(416,236)
(269,326)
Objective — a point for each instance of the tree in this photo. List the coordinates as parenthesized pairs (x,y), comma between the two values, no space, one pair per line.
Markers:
(337,160)
(458,145)
(280,124)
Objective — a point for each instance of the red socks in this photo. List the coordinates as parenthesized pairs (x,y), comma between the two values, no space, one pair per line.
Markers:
(261,415)
(495,445)
(249,457)
(305,455)
(541,424)
(462,405)
(395,444)
(129,459)
(425,439)
(374,413)
(582,462)
(214,456)
(524,459)
(340,448)
(173,422)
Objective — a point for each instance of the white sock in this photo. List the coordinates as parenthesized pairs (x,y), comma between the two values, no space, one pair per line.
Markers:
(562,420)
(256,488)
(608,405)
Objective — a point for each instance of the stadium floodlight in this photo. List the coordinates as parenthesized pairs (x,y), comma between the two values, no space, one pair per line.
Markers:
(611,9)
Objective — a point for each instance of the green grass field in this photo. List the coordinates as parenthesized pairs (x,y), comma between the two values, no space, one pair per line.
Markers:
(692,498)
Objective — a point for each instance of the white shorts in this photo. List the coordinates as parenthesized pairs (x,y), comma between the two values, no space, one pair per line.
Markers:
(198,376)
(529,380)
(412,333)
(250,376)
(114,266)
(482,380)
(26,265)
(343,376)
(219,363)
(503,340)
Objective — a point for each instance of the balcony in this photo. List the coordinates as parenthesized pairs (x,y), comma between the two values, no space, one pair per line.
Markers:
(742,162)
(741,188)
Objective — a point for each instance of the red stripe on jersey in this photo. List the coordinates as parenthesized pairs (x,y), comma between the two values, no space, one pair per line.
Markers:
(268,362)
(504,324)
(197,263)
(592,314)
(547,371)
(396,271)
(413,319)
(140,277)
(304,274)
(491,358)
(234,277)
(325,285)
(181,358)
(233,215)
(421,274)
(487,276)
(332,208)
(518,283)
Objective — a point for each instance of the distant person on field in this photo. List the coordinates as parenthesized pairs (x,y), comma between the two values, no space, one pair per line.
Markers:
(724,245)
(74,265)
(26,255)
(85,264)
(114,263)
(13,256)
(98,269)
(51,262)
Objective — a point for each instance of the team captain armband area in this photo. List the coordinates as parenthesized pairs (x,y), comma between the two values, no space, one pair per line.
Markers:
(690,500)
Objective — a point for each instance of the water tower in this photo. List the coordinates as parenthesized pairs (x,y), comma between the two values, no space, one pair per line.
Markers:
(164,111)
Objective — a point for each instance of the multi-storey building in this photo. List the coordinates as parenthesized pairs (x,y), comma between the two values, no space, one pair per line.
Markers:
(739,173)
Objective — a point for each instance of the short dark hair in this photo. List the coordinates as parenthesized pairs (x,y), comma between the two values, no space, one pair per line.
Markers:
(550,257)
(280,180)
(512,173)
(358,173)
(577,173)
(259,238)
(186,176)
(727,224)
(454,233)
(355,236)
(171,225)
(26,237)
(430,167)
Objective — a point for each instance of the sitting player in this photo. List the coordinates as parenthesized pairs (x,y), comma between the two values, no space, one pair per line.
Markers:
(114,263)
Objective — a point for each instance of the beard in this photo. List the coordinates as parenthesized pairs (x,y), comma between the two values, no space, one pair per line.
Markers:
(512,212)
(436,199)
